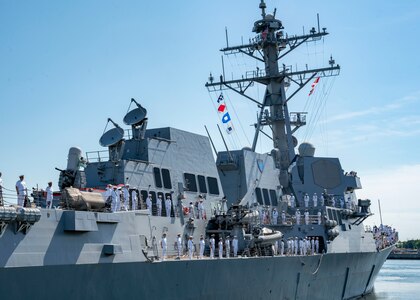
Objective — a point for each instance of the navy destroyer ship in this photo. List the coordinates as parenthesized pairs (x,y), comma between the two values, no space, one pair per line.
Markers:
(289,223)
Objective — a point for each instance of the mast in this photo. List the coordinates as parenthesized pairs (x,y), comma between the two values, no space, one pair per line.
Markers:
(268,47)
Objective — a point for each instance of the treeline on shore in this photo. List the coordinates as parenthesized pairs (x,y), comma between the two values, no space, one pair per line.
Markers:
(409,244)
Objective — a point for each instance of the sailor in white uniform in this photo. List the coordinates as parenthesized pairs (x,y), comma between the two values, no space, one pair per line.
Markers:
(306,200)
(227,246)
(316,245)
(319,217)
(282,247)
(164,246)
(235,246)
(297,215)
(220,248)
(107,194)
(283,217)
(312,246)
(115,195)
(190,247)
(191,210)
(315,199)
(134,199)
(200,208)
(168,206)
(49,199)
(302,246)
(126,197)
(21,190)
(296,246)
(292,201)
(212,246)
(306,213)
(322,200)
(202,246)
(119,198)
(149,203)
(159,205)
(275,216)
(178,243)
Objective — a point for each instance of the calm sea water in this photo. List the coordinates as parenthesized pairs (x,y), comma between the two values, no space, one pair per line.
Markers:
(398,279)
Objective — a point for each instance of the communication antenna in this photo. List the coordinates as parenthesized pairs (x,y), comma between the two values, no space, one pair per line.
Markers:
(135,116)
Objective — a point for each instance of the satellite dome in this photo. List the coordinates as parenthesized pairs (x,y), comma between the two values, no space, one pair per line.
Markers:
(306,149)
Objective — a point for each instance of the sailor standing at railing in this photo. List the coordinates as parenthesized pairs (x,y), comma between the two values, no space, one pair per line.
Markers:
(200,208)
(275,216)
(115,195)
(306,214)
(168,206)
(227,246)
(21,190)
(283,217)
(297,215)
(178,244)
(319,217)
(49,198)
(282,247)
(292,201)
(202,246)
(126,197)
(159,205)
(190,247)
(108,193)
(164,246)
(306,200)
(191,210)
(134,199)
(220,247)
(315,199)
(316,245)
(235,246)
(149,203)
(212,246)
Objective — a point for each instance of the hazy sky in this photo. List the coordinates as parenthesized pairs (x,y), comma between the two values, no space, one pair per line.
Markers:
(66,66)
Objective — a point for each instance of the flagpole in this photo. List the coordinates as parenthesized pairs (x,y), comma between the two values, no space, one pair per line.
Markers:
(380,212)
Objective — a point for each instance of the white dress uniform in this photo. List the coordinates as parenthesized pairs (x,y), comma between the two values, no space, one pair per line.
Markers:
(164,246)
(126,198)
(281,247)
(306,213)
(283,217)
(202,246)
(301,247)
(235,246)
(200,210)
(159,205)
(49,199)
(315,200)
(108,193)
(297,214)
(191,210)
(292,201)
(179,246)
(190,248)
(333,201)
(316,246)
(22,192)
(212,247)
(220,248)
(306,200)
(312,246)
(134,200)
(118,192)
(115,195)
(227,246)
(275,216)
(319,217)
(149,204)
(296,246)
(322,200)
(168,206)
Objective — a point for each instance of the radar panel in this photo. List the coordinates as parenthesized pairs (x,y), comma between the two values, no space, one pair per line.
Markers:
(135,116)
(111,137)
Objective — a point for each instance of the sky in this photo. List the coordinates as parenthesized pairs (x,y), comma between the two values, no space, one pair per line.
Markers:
(67,66)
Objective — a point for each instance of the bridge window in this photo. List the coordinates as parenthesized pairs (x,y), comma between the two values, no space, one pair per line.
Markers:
(202,184)
(266,197)
(259,196)
(190,182)
(213,186)
(158,178)
(166,175)
(273,196)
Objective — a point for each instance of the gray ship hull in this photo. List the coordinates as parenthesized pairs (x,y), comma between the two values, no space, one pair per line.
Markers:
(329,276)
